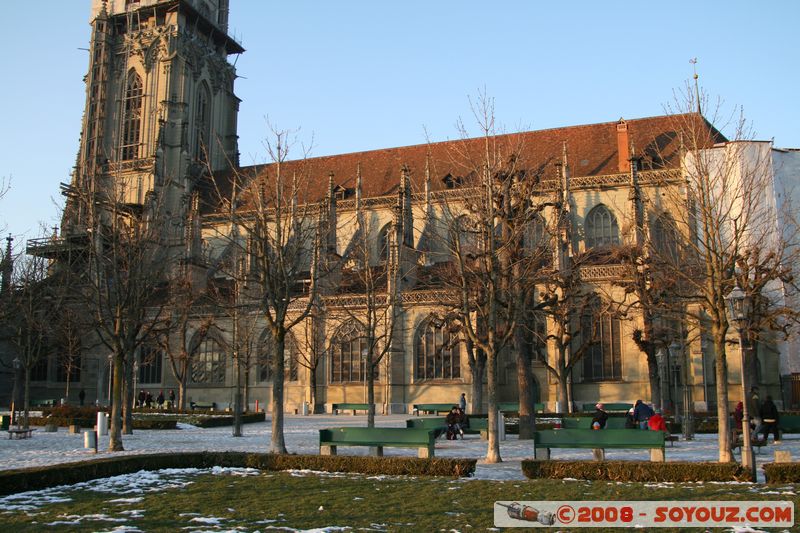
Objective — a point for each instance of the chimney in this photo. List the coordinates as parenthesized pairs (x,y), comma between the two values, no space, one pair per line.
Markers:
(623,146)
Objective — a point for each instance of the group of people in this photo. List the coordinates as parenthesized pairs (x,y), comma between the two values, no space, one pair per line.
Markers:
(145,399)
(764,417)
(640,416)
(456,419)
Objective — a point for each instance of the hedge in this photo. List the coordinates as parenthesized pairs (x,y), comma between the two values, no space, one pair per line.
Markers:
(219,421)
(634,471)
(782,472)
(14,481)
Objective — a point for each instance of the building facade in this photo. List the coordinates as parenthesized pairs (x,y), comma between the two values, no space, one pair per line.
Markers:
(159,133)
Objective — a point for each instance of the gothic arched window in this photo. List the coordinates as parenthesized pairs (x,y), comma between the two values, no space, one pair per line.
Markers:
(202,121)
(348,353)
(208,365)
(266,354)
(664,236)
(131,117)
(603,359)
(438,353)
(601,228)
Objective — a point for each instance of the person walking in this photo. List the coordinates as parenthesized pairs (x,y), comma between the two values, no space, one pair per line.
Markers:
(462,402)
(770,418)
(171,404)
(160,400)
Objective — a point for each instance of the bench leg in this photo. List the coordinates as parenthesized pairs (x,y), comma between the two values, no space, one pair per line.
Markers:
(425,453)
(376,451)
(327,450)
(542,454)
(657,455)
(599,454)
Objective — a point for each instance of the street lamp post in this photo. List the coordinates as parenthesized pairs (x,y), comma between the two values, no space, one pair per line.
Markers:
(660,358)
(687,420)
(739,308)
(16,363)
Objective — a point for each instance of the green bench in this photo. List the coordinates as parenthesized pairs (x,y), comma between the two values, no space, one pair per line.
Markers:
(432,407)
(614,422)
(377,438)
(755,442)
(609,407)
(789,423)
(44,403)
(599,441)
(20,433)
(477,425)
(208,406)
(336,407)
(585,422)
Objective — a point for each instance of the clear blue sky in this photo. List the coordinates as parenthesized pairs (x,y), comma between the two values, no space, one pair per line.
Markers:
(360,75)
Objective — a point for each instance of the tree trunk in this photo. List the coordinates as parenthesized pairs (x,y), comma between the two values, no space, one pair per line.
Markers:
(182,391)
(277,443)
(246,388)
(654,377)
(115,431)
(127,422)
(725,455)
(477,369)
(370,394)
(493,449)
(312,385)
(562,398)
(26,401)
(66,389)
(527,411)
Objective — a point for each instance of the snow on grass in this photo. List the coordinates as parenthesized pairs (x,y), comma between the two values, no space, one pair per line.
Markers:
(302,437)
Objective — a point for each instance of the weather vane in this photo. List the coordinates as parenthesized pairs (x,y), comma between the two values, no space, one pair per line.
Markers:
(693,61)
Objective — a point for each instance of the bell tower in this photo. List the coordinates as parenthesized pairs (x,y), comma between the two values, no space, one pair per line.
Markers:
(161,113)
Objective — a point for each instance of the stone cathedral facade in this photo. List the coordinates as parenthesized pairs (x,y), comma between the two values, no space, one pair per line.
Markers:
(161,118)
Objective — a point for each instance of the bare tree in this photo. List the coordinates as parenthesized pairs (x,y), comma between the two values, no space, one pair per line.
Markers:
(725,212)
(181,329)
(280,241)
(33,302)
(374,275)
(120,283)
(493,269)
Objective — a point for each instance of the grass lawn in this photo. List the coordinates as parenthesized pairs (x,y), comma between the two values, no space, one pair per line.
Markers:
(301,501)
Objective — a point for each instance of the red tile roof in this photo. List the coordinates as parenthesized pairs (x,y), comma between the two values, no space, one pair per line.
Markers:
(591,149)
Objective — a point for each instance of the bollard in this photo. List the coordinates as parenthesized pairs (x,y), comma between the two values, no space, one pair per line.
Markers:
(256,406)
(90,440)
(102,423)
(783,456)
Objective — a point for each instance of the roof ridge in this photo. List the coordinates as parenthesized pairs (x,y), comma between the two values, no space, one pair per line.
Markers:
(439,143)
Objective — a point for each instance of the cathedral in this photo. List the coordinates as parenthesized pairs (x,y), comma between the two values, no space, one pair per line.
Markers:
(160,127)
